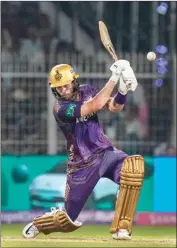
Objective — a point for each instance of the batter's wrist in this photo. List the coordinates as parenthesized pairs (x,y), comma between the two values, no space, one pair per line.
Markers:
(115,78)
(120,98)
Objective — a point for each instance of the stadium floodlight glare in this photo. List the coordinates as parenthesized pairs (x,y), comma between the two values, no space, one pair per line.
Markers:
(162,70)
(161,62)
(161,49)
(162,8)
(162,66)
(158,82)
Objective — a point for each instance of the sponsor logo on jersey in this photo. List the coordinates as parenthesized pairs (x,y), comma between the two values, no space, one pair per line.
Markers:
(84,118)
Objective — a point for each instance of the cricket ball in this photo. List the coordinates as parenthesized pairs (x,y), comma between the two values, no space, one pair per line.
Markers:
(151,56)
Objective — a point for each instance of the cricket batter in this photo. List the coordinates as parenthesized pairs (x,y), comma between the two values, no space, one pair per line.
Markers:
(91,154)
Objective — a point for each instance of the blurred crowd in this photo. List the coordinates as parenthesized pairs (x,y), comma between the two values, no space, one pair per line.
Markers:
(27,34)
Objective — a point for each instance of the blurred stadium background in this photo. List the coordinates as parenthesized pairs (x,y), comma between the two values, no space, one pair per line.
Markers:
(37,35)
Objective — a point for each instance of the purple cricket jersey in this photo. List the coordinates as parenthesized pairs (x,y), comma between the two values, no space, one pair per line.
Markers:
(91,154)
(85,136)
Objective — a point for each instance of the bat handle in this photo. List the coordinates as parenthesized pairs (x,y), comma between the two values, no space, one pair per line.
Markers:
(115,57)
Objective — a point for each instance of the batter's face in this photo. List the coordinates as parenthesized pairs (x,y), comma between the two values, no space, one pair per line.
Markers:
(66,91)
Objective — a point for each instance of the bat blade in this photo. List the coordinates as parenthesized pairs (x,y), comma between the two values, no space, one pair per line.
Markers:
(105,38)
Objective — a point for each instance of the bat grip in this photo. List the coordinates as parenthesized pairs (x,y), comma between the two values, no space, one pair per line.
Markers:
(115,58)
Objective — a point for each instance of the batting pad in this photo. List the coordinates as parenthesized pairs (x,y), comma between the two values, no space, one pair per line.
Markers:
(131,180)
(57,221)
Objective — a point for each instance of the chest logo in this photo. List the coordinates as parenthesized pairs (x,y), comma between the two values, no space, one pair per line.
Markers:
(70,110)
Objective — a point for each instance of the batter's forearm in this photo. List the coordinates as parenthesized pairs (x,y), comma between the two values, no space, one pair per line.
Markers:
(113,106)
(103,96)
(99,101)
(117,108)
(117,103)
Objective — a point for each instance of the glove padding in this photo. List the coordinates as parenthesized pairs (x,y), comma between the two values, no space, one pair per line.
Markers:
(127,81)
(117,69)
(55,221)
(119,66)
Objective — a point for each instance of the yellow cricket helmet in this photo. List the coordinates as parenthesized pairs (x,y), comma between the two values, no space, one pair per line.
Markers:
(61,75)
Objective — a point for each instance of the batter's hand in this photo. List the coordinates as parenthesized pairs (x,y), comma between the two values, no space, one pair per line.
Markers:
(127,81)
(124,73)
(119,66)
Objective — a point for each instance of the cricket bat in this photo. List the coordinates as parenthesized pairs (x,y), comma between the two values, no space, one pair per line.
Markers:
(105,38)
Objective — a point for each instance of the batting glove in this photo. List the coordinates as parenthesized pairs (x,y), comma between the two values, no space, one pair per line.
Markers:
(119,66)
(127,81)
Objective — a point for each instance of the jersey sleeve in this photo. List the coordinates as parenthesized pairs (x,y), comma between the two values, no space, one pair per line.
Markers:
(93,90)
(67,110)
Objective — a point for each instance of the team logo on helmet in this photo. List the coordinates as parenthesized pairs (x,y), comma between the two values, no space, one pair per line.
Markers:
(58,75)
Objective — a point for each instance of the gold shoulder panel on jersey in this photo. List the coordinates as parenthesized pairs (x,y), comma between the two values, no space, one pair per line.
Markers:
(56,107)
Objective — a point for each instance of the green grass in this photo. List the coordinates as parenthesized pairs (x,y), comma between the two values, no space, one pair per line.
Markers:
(90,236)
